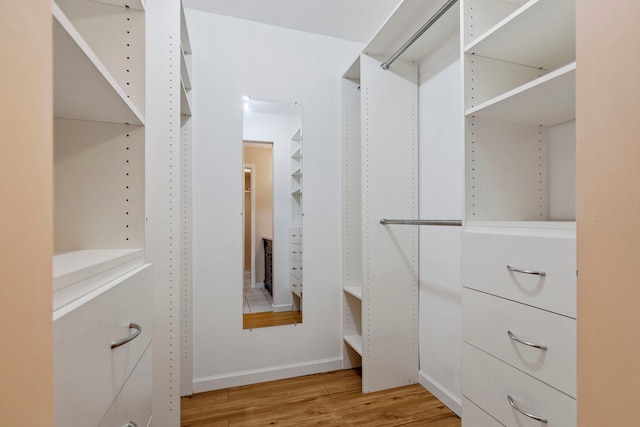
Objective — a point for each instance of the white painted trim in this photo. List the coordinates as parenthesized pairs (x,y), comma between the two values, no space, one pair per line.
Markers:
(452,401)
(260,285)
(234,379)
(282,307)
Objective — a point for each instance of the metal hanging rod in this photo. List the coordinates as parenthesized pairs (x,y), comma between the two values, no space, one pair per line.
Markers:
(385,65)
(452,222)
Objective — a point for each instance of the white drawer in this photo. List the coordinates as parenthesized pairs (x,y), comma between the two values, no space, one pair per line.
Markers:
(488,382)
(88,373)
(486,320)
(473,416)
(134,401)
(485,258)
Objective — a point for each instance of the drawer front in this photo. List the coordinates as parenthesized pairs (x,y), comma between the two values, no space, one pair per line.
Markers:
(485,258)
(88,373)
(486,321)
(488,382)
(134,401)
(473,416)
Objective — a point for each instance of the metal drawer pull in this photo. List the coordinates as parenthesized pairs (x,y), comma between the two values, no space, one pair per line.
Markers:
(534,417)
(131,424)
(516,339)
(517,270)
(118,343)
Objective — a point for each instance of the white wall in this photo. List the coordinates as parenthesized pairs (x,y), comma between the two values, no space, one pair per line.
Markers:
(233,58)
(279,129)
(441,139)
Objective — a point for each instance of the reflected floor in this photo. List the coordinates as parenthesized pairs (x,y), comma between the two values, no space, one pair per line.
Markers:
(256,300)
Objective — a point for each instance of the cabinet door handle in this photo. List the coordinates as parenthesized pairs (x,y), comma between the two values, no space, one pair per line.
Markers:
(533,417)
(517,270)
(516,339)
(131,424)
(123,341)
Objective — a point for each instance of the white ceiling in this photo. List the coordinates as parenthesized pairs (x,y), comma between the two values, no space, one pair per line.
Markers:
(356,20)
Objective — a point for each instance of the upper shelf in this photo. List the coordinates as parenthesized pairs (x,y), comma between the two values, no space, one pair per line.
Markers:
(184,32)
(548,100)
(83,87)
(403,23)
(539,34)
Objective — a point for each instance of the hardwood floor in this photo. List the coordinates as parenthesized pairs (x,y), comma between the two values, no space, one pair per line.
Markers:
(269,318)
(328,399)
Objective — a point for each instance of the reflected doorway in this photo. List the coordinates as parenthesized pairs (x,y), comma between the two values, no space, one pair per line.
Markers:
(258,227)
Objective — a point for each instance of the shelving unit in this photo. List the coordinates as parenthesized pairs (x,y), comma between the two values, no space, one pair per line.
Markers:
(101,283)
(379,176)
(186,238)
(295,220)
(519,118)
(518,241)
(98,137)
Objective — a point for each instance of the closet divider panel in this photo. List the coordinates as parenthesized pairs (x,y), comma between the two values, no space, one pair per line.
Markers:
(351,224)
(186,284)
(389,253)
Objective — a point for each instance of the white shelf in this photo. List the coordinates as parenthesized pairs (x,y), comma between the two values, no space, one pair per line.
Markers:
(356,291)
(355,342)
(548,100)
(403,23)
(297,153)
(185,102)
(297,172)
(184,33)
(296,192)
(540,34)
(129,4)
(71,267)
(83,87)
(297,136)
(565,229)
(184,71)
(77,273)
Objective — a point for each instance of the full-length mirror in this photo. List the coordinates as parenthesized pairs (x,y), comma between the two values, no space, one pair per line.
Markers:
(272,210)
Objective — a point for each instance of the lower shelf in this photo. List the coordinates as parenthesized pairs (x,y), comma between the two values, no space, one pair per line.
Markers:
(79,272)
(355,342)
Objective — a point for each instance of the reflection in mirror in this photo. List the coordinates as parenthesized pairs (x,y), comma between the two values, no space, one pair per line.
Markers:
(272,209)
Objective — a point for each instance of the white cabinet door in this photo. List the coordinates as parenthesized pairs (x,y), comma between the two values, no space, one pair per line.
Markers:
(88,372)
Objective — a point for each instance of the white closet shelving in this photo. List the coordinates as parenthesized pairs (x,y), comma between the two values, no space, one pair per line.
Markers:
(102,287)
(379,176)
(296,238)
(518,241)
(98,139)
(186,167)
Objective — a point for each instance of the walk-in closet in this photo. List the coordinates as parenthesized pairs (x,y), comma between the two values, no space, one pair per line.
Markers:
(336,212)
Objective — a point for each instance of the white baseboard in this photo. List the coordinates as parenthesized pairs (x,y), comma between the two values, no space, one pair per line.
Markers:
(260,285)
(234,379)
(445,396)
(282,307)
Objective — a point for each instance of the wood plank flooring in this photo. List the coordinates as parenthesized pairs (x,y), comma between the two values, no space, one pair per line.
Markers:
(269,318)
(327,399)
